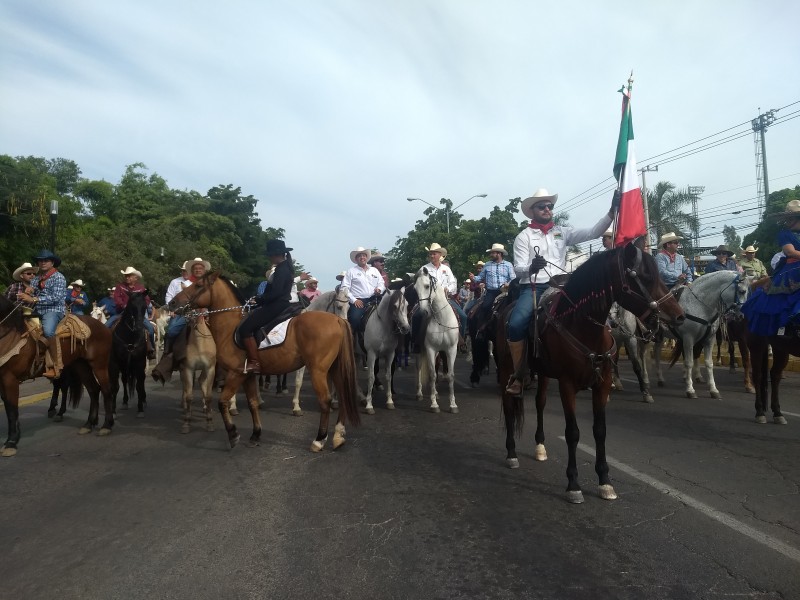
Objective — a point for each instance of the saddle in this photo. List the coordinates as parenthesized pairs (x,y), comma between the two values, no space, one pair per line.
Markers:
(294,309)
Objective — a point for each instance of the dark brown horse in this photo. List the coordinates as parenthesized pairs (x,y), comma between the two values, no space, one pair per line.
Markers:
(320,341)
(733,330)
(88,360)
(782,348)
(575,346)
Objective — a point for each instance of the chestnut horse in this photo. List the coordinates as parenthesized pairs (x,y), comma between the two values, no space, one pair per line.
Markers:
(88,359)
(320,341)
(576,347)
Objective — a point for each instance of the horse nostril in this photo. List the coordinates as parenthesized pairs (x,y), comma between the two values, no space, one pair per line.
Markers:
(680,319)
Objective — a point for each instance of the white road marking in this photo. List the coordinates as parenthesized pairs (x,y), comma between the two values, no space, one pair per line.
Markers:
(758,536)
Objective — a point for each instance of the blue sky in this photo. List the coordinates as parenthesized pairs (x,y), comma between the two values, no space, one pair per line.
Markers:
(333,112)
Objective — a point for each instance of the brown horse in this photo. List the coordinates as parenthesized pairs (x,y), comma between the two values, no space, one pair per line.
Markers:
(320,341)
(576,347)
(733,329)
(782,347)
(88,360)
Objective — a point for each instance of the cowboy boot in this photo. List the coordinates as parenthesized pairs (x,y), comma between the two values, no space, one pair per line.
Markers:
(251,365)
(51,372)
(518,356)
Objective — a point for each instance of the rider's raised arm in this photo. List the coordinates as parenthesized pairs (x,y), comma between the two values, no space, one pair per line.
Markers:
(576,235)
(522,256)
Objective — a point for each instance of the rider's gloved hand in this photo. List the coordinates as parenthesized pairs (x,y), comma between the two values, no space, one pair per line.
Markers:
(538,264)
(615,200)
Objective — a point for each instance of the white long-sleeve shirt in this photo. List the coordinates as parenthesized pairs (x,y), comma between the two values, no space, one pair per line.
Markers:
(174,288)
(444,276)
(361,283)
(553,246)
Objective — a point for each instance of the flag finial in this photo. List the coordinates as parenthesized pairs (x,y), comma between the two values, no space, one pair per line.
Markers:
(630,82)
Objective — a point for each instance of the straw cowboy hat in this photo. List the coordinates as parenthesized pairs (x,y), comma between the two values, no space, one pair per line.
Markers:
(668,237)
(277,247)
(341,275)
(498,248)
(437,248)
(311,280)
(183,266)
(132,271)
(540,195)
(722,249)
(480,263)
(47,255)
(197,261)
(750,249)
(792,210)
(376,256)
(78,282)
(356,252)
(24,267)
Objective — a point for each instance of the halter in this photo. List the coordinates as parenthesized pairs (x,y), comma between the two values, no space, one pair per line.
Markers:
(395,311)
(188,311)
(643,292)
(428,300)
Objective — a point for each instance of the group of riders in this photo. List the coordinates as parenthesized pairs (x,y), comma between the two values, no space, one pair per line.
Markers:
(539,253)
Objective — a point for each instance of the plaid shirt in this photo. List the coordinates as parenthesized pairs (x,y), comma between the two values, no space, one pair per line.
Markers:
(495,275)
(51,297)
(17,288)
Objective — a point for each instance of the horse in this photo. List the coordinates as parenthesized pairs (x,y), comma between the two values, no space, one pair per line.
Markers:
(129,352)
(733,329)
(320,341)
(201,355)
(703,302)
(479,338)
(782,347)
(98,313)
(440,327)
(380,340)
(576,347)
(89,358)
(631,334)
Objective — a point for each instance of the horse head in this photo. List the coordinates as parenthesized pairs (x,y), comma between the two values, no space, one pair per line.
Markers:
(194,295)
(427,290)
(400,311)
(641,289)
(136,308)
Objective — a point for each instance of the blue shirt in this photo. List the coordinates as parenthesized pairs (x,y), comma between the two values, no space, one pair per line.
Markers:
(107,304)
(77,309)
(495,275)
(670,267)
(715,266)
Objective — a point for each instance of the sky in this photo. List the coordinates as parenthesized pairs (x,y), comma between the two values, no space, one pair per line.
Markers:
(333,112)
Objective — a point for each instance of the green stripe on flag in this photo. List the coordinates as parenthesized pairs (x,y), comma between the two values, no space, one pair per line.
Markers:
(625,134)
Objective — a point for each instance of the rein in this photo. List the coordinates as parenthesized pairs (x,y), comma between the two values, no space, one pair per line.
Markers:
(437,311)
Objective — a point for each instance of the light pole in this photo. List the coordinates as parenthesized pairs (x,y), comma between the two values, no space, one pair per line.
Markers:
(447,209)
(53,217)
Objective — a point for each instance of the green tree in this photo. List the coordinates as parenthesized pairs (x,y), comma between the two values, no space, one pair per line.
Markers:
(765,236)
(666,207)
(732,241)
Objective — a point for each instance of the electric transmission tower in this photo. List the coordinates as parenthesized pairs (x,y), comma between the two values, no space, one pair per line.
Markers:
(760,124)
(694,192)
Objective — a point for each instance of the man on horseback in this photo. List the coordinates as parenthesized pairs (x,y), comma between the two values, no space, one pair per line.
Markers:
(310,291)
(608,239)
(672,267)
(121,290)
(364,287)
(176,285)
(495,274)
(23,278)
(107,303)
(723,262)
(77,301)
(751,265)
(271,303)
(541,243)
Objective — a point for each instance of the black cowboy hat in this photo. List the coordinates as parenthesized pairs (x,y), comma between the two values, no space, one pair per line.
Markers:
(48,255)
(723,249)
(276,247)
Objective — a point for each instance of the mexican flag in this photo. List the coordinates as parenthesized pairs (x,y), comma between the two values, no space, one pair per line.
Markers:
(630,218)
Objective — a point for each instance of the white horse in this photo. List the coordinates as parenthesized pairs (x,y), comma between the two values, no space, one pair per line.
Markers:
(335,302)
(440,335)
(703,302)
(627,333)
(98,313)
(380,340)
(201,355)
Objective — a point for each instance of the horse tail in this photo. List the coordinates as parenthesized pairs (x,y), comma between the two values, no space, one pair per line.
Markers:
(344,376)
(75,390)
(677,352)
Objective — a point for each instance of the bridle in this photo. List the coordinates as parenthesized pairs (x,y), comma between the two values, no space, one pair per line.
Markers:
(433,289)
(640,291)
(189,311)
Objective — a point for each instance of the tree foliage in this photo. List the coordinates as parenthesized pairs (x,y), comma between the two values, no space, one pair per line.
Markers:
(666,207)
(765,236)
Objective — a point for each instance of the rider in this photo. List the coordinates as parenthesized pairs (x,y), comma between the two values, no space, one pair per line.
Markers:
(271,303)
(378,261)
(751,265)
(76,299)
(541,243)
(121,290)
(176,285)
(608,239)
(672,267)
(364,287)
(495,274)
(310,291)
(48,290)
(776,310)
(107,303)
(23,276)
(723,262)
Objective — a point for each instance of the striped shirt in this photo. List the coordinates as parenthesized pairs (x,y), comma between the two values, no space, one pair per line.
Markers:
(495,275)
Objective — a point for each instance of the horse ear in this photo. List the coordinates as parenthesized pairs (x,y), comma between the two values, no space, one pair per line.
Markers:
(632,252)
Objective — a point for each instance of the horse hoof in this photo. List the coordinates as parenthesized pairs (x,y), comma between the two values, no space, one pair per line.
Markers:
(51,413)
(233,412)
(390,406)
(185,428)
(369,410)
(58,418)
(575,497)
(338,440)
(435,409)
(84,430)
(454,410)
(234,440)
(378,385)
(140,415)
(297,412)
(251,443)
(660,384)
(316,446)
(761,419)
(7,452)
(716,395)
(648,399)
(779,420)
(419,397)
(104,431)
(512,463)
(607,492)
(691,394)
(750,389)
(540,453)
(334,405)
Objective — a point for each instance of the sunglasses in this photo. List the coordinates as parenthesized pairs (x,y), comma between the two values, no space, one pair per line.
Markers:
(544,206)
(31,274)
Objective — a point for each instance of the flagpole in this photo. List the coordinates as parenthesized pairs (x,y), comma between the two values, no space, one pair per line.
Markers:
(622,175)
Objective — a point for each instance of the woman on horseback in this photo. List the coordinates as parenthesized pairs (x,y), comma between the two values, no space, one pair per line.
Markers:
(271,303)
(772,311)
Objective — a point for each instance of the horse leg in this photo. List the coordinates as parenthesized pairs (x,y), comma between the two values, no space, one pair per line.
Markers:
(207,388)
(599,400)
(319,379)
(688,370)
(187,376)
(9,386)
(251,393)
(760,360)
(430,365)
(370,381)
(451,378)
(51,411)
(746,366)
(298,383)
(712,384)
(657,347)
(634,351)
(124,373)
(422,364)
(731,354)
(641,349)
(388,361)
(513,416)
(139,377)
(540,453)
(572,435)
(232,382)
(113,376)
(779,362)
(377,369)
(718,339)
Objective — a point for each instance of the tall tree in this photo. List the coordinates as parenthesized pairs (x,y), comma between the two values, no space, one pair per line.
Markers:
(731,240)
(667,212)
(765,236)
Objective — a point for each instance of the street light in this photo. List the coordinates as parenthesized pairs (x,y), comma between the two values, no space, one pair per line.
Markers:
(53,216)
(447,209)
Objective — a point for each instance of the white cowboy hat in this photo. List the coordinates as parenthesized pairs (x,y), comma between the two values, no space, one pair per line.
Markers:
(540,195)
(480,263)
(375,256)
(78,282)
(356,252)
(750,249)
(132,271)
(498,248)
(437,248)
(197,261)
(24,267)
(608,233)
(341,275)
(183,266)
(311,280)
(792,210)
(668,237)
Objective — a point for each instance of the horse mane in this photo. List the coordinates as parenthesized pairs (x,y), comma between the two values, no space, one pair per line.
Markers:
(588,288)
(15,319)
(233,288)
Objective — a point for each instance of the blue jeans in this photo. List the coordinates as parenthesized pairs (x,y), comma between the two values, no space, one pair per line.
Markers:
(175,326)
(462,326)
(355,315)
(151,334)
(520,319)
(50,321)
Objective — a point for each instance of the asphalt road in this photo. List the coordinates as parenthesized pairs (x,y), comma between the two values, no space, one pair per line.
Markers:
(414,505)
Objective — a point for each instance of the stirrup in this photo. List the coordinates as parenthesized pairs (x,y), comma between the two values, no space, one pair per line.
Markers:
(252,367)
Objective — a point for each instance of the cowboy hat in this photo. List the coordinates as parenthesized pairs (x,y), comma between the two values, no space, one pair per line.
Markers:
(24,267)
(277,247)
(792,210)
(668,237)
(722,249)
(78,282)
(397,284)
(608,233)
(376,256)
(540,195)
(47,255)
(437,248)
(480,263)
(498,248)
(311,280)
(197,261)
(750,249)
(356,252)
(132,271)
(341,275)
(183,266)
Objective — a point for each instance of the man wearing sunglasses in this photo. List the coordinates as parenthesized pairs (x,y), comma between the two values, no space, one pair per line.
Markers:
(540,250)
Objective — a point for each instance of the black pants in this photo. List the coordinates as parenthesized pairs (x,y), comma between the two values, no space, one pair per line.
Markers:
(261,316)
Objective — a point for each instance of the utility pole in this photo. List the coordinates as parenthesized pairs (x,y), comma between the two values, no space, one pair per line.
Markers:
(760,124)
(643,170)
(694,192)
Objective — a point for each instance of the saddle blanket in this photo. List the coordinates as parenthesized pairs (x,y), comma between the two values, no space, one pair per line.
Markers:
(276,336)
